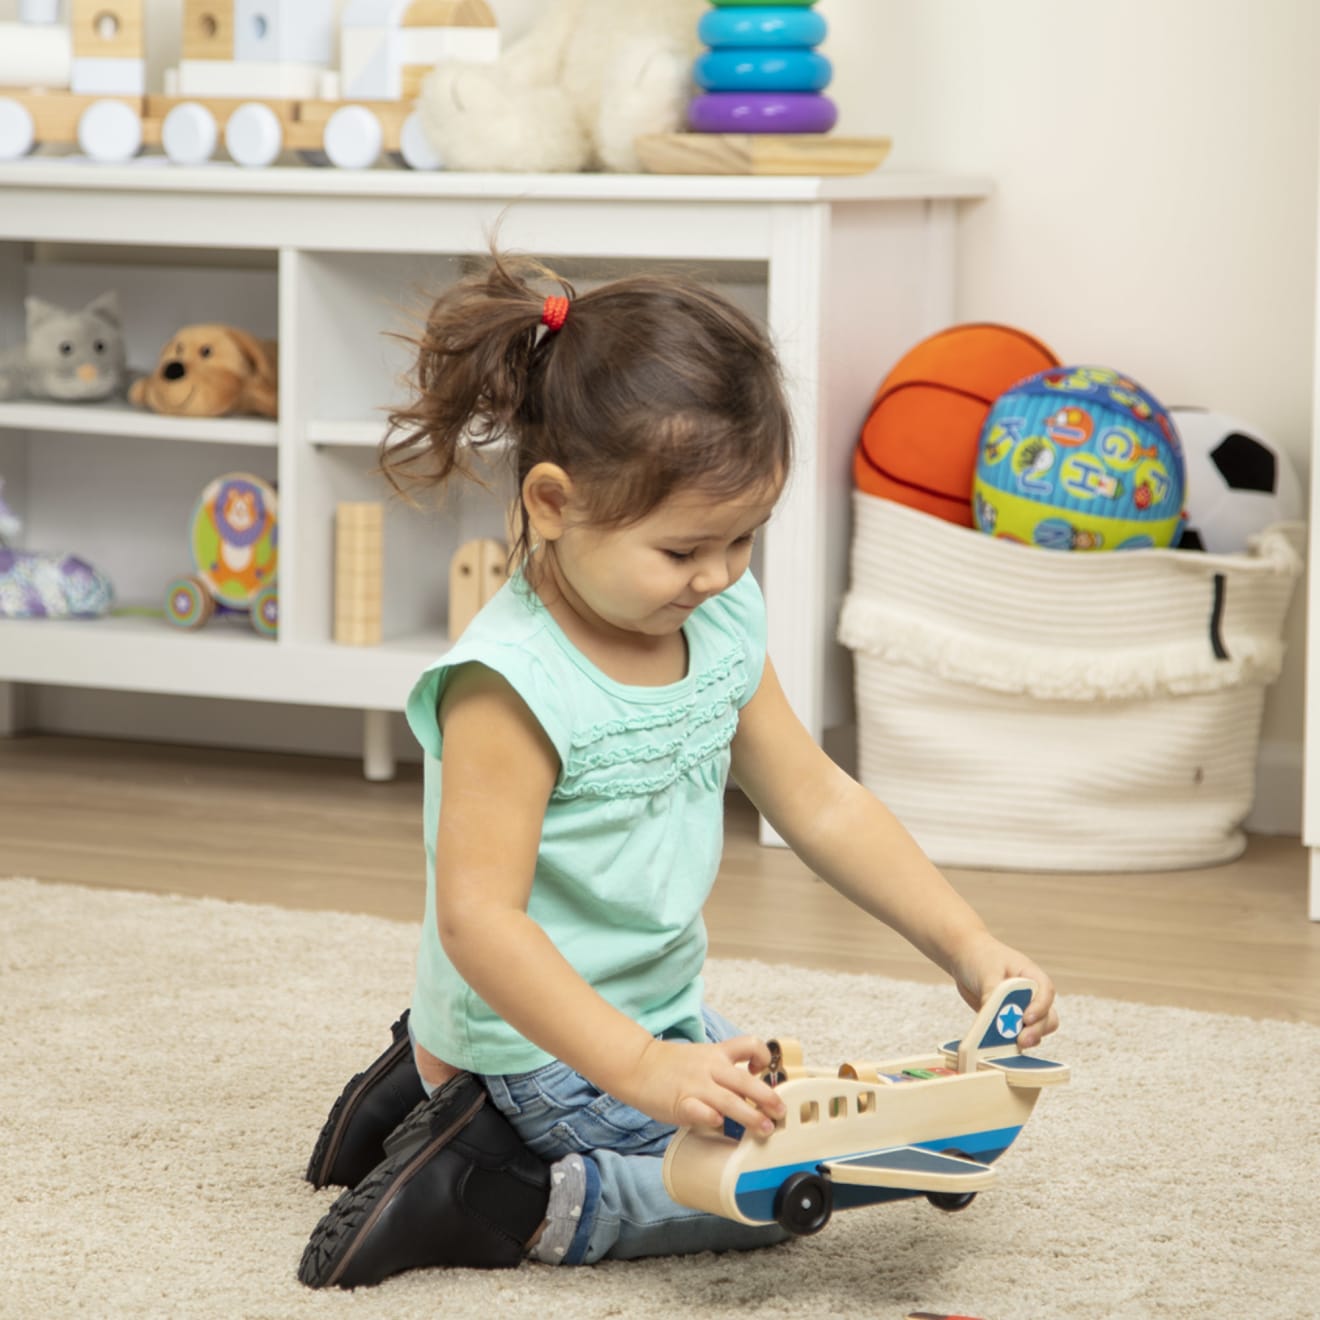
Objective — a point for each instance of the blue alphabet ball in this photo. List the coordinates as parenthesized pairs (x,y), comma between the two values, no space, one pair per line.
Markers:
(1080,458)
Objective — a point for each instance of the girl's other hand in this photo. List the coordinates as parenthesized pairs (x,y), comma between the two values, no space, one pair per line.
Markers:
(981,966)
(701,1085)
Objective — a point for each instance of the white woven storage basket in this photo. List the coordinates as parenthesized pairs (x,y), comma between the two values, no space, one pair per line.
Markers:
(1037,710)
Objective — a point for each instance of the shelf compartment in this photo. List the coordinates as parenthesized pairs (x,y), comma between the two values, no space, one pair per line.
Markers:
(118,419)
(225,659)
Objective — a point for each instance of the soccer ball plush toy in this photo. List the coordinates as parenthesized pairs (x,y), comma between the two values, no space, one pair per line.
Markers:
(1238,482)
(1079,458)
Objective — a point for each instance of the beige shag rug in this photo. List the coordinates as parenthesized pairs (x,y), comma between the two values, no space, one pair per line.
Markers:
(166,1063)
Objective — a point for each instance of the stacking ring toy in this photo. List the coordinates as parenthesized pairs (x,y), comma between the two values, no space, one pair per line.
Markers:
(743,70)
(764,25)
(762,112)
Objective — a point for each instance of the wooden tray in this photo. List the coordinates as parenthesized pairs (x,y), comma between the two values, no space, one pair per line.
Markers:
(760,153)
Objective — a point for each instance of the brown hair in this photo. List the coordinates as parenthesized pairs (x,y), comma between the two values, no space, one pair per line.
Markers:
(653,384)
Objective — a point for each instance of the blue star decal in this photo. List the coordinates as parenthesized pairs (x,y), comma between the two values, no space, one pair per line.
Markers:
(1009,1021)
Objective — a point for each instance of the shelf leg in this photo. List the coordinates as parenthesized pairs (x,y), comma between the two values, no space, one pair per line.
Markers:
(11,706)
(377,746)
(1313,873)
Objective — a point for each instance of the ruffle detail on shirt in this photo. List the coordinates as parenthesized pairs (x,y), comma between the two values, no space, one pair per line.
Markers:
(649,785)
(658,719)
(701,731)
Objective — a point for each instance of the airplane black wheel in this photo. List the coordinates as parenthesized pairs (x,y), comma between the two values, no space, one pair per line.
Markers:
(952,1202)
(804,1203)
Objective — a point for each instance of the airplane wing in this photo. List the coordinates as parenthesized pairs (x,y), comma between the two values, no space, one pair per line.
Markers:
(910,1169)
(1027,1071)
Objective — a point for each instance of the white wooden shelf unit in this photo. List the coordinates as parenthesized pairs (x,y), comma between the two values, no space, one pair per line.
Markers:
(846,272)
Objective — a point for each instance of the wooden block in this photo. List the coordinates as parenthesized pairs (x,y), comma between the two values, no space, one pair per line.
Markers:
(760,153)
(108,77)
(448,13)
(411,78)
(359,572)
(107,29)
(208,30)
(252,80)
(362,515)
(476,572)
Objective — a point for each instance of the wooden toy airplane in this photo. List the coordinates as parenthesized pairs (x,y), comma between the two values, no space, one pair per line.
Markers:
(872,1132)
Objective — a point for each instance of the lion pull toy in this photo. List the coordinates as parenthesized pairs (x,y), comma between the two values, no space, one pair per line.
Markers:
(930,1125)
(234,537)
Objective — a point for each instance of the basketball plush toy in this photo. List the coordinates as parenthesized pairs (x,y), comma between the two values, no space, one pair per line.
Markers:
(1080,458)
(918,444)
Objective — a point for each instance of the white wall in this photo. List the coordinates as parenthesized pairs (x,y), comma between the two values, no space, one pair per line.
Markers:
(1154,165)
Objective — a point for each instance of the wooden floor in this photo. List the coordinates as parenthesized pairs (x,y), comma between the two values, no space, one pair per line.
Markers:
(311,833)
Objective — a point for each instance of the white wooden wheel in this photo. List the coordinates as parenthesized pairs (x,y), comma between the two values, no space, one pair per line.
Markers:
(353,138)
(109,132)
(18,134)
(189,134)
(254,135)
(415,147)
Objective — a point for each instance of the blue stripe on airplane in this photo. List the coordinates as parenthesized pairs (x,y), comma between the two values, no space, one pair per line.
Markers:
(754,1193)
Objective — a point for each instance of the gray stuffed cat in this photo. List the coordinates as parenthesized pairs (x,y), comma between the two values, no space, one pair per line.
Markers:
(71,357)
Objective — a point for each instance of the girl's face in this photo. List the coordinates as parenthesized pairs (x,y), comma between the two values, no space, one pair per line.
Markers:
(648,577)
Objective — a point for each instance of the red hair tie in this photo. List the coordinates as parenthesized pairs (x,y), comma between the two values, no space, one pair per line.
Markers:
(554,313)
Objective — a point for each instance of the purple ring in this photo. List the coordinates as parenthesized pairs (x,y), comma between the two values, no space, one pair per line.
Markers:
(762,112)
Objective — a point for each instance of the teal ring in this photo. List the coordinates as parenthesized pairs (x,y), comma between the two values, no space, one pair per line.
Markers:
(751,70)
(764,25)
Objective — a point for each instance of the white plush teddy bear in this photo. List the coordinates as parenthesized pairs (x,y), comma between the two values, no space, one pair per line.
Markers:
(572,93)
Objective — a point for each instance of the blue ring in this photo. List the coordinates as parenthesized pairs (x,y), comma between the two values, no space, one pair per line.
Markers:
(751,70)
(765,25)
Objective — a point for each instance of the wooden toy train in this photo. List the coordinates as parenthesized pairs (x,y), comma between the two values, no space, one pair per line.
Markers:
(265,76)
(872,1132)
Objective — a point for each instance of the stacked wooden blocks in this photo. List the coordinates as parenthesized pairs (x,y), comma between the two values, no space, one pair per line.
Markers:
(359,572)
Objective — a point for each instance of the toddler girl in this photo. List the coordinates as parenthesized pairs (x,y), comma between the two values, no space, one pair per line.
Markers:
(578,739)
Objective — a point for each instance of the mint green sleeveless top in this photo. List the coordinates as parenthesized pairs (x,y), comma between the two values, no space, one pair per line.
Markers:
(635,824)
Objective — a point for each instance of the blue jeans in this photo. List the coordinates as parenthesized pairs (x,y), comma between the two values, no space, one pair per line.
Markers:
(626,1212)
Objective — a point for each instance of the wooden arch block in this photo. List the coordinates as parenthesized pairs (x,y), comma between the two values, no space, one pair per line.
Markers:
(477,571)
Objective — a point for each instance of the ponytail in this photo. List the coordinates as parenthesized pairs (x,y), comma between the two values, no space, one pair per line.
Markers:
(476,359)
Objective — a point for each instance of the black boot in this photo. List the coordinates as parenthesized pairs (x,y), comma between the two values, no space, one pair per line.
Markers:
(369,1108)
(458,1187)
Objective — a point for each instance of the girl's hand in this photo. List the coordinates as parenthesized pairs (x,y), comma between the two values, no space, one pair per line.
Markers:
(702,1085)
(984,963)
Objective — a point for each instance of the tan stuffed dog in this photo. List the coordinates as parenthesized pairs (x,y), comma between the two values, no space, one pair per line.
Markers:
(211,371)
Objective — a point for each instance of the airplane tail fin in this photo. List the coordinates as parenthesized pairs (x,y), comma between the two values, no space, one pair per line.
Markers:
(993,1039)
(994,1033)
